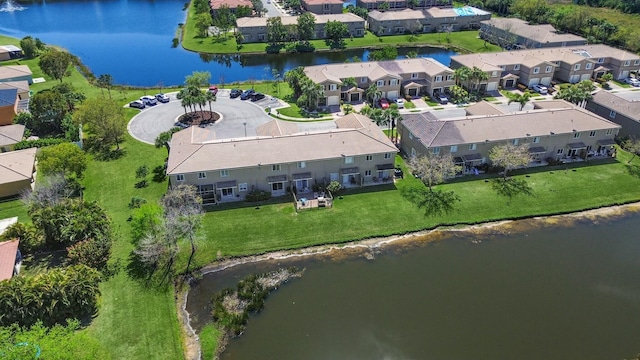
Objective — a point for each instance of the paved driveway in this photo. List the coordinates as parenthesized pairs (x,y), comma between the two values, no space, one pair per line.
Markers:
(151,121)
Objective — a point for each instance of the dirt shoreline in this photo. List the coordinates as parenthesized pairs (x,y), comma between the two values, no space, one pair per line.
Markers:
(369,246)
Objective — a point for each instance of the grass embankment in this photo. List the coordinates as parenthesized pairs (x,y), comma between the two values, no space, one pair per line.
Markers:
(466,41)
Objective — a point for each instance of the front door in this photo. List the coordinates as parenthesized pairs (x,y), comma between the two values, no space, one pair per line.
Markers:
(302,185)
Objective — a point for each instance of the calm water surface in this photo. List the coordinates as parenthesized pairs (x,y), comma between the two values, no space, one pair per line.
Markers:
(550,293)
(131,40)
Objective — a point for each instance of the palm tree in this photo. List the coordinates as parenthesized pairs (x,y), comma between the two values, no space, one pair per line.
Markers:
(392,116)
(479,76)
(373,93)
(462,76)
(522,99)
(185,99)
(210,98)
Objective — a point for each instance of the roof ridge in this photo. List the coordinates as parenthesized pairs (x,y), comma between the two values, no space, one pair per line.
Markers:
(200,146)
(14,171)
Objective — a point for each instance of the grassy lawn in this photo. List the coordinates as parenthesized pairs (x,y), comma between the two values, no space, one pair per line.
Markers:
(409,105)
(430,102)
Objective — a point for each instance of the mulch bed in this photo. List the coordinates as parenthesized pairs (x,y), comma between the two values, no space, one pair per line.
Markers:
(199,118)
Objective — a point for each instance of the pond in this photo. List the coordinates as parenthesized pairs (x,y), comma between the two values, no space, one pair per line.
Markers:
(132,41)
(526,291)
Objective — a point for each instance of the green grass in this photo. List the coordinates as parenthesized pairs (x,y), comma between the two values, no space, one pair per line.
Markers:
(209,340)
(431,102)
(409,105)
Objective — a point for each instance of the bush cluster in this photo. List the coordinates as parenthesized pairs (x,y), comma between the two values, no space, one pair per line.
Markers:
(258,195)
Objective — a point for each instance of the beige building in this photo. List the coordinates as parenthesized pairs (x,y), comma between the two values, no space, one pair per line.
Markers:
(425,21)
(16,73)
(541,66)
(233,5)
(394,78)
(621,111)
(254,29)
(10,135)
(513,32)
(321,7)
(356,153)
(16,171)
(401,4)
(9,52)
(554,129)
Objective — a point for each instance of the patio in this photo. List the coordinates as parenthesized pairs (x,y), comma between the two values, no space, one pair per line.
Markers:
(312,200)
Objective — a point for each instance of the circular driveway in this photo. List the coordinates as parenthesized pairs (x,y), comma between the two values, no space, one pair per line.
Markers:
(153,120)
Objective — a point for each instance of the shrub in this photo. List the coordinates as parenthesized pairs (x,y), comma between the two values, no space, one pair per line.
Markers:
(334,187)
(91,252)
(31,240)
(316,187)
(258,195)
(136,202)
(26,144)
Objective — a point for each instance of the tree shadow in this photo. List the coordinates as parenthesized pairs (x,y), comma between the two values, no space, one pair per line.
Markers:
(511,187)
(159,174)
(433,202)
(633,170)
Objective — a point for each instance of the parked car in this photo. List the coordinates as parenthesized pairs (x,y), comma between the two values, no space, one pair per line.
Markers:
(540,89)
(148,100)
(213,89)
(257,96)
(235,93)
(162,98)
(137,104)
(441,98)
(247,94)
(632,81)
(400,103)
(384,103)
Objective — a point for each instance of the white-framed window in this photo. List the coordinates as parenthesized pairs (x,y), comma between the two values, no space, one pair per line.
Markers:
(410,135)
(576,67)
(454,148)
(202,175)
(560,151)
(367,173)
(592,133)
(588,66)
(380,83)
(494,73)
(435,150)
(609,131)
(180,177)
(413,152)
(472,147)
(612,114)
(224,173)
(636,62)
(515,141)
(393,82)
(242,187)
(275,167)
(627,63)
(576,135)
(516,67)
(536,70)
(414,75)
(301,164)
(348,160)
(387,155)
(449,77)
(369,157)
(536,139)
(439,78)
(548,69)
(363,80)
(503,67)
(600,60)
(333,87)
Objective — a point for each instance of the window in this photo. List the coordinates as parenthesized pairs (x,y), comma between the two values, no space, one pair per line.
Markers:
(302,164)
(503,67)
(536,139)
(224,173)
(435,150)
(414,75)
(275,167)
(393,82)
(387,155)
(560,151)
(515,141)
(348,160)
(627,63)
(516,67)
(410,136)
(367,173)
(494,73)
(536,70)
(277,186)
(612,114)
(439,78)
(413,152)
(227,192)
(637,62)
(242,186)
(576,67)
(180,177)
(548,69)
(588,66)
(380,83)
(576,135)
(472,147)
(369,157)
(592,134)
(600,60)
(363,80)
(454,148)
(609,131)
(202,175)
(449,77)
(333,87)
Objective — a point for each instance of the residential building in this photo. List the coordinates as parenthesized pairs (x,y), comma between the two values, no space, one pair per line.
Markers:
(401,4)
(393,78)
(8,106)
(517,33)
(16,73)
(231,4)
(24,93)
(425,21)
(10,135)
(10,52)
(321,7)
(621,111)
(10,259)
(16,171)
(254,29)
(541,66)
(356,153)
(557,130)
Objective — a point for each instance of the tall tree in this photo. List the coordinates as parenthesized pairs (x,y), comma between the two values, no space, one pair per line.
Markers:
(276,31)
(336,31)
(372,94)
(29,47)
(509,156)
(578,93)
(521,99)
(48,110)
(432,170)
(295,78)
(388,52)
(202,23)
(56,63)
(198,79)
(105,81)
(65,158)
(632,145)
(105,120)
(306,26)
(224,20)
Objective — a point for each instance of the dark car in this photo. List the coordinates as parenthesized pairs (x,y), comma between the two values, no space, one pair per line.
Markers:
(235,93)
(257,96)
(247,94)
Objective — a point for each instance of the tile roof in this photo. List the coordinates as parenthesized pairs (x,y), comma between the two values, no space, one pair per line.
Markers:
(277,128)
(8,251)
(11,134)
(483,108)
(293,20)
(406,14)
(539,33)
(630,109)
(187,156)
(8,97)
(17,165)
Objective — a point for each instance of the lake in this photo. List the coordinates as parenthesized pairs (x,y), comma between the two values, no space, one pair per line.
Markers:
(528,291)
(131,40)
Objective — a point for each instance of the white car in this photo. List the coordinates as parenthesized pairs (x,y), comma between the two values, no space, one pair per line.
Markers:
(400,103)
(632,81)
(162,98)
(148,100)
(541,89)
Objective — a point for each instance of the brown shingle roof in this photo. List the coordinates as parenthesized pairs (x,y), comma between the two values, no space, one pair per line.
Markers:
(8,251)
(17,165)
(483,108)
(277,128)
(630,109)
